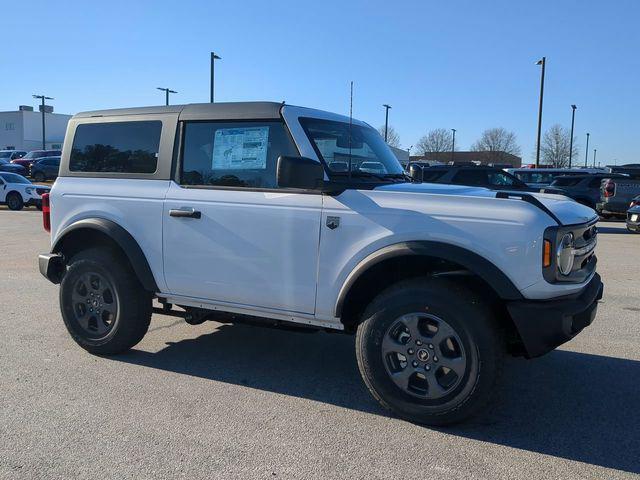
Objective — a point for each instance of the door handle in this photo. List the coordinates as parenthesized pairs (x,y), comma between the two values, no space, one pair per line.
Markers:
(185,212)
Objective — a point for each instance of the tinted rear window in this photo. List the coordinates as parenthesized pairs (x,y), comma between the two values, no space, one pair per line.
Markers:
(120,147)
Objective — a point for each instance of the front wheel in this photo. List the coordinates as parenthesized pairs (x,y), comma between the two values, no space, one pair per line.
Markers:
(430,351)
(39,177)
(14,201)
(104,307)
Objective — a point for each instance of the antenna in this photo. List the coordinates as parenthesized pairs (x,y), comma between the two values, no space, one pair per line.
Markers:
(350,123)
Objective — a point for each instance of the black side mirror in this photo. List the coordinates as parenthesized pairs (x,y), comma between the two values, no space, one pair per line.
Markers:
(416,173)
(299,172)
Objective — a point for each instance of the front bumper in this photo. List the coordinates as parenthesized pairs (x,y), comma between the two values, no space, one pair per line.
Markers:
(545,324)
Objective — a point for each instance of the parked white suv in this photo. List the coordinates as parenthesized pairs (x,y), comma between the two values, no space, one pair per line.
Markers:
(231,212)
(17,192)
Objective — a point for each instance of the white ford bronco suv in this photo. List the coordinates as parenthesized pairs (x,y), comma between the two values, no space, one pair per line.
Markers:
(288,216)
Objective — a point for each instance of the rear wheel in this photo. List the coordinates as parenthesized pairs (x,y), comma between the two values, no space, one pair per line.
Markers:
(105,308)
(14,201)
(430,351)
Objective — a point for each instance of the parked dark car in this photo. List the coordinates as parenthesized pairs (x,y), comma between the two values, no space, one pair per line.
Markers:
(584,189)
(6,166)
(45,169)
(616,194)
(33,156)
(12,155)
(478,176)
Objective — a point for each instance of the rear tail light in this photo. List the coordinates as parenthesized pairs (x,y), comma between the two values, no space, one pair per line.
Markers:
(46,212)
(609,188)
(634,203)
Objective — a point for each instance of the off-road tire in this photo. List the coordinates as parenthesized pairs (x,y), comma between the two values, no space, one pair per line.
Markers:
(134,305)
(472,321)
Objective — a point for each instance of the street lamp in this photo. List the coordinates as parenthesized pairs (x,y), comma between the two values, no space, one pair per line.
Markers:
(166,91)
(453,143)
(586,153)
(543,62)
(594,157)
(43,98)
(214,57)
(573,117)
(386,120)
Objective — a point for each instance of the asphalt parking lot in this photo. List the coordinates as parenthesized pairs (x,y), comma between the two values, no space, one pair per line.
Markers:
(220,401)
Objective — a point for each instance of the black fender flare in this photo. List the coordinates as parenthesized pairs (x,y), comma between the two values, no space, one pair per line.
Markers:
(467,259)
(122,238)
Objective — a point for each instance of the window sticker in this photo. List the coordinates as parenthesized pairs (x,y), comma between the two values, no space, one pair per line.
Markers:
(240,148)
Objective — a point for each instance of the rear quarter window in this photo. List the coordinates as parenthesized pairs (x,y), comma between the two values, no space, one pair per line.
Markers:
(116,147)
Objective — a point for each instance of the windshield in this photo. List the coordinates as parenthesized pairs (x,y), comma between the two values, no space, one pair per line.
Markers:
(337,143)
(14,178)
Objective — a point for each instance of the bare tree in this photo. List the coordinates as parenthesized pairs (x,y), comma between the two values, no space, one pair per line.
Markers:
(554,147)
(497,140)
(437,140)
(393,138)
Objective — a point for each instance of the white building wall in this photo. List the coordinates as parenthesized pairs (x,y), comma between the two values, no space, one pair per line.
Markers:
(11,133)
(27,131)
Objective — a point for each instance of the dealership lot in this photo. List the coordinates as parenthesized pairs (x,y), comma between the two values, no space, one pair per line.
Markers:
(224,401)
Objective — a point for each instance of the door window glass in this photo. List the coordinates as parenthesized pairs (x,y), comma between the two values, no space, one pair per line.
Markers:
(239,154)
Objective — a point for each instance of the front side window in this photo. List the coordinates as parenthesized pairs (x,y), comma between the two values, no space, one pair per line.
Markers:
(500,179)
(234,154)
(339,145)
(116,147)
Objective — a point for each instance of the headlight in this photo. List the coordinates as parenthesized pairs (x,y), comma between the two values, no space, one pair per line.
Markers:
(28,190)
(564,254)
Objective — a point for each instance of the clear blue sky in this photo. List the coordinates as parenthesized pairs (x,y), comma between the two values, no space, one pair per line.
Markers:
(467,65)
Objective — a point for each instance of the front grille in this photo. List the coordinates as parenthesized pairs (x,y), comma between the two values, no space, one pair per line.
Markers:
(40,191)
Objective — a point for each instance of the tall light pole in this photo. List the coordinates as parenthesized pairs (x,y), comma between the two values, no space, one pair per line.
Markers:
(594,157)
(214,57)
(453,143)
(586,153)
(386,120)
(542,62)
(166,91)
(573,117)
(43,98)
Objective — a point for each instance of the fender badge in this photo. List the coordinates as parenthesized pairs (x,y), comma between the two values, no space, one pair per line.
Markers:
(333,222)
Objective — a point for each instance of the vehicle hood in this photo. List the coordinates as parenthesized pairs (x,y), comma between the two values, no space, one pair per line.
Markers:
(567,210)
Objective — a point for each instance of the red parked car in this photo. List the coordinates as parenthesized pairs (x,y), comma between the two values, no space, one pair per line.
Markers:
(34,155)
